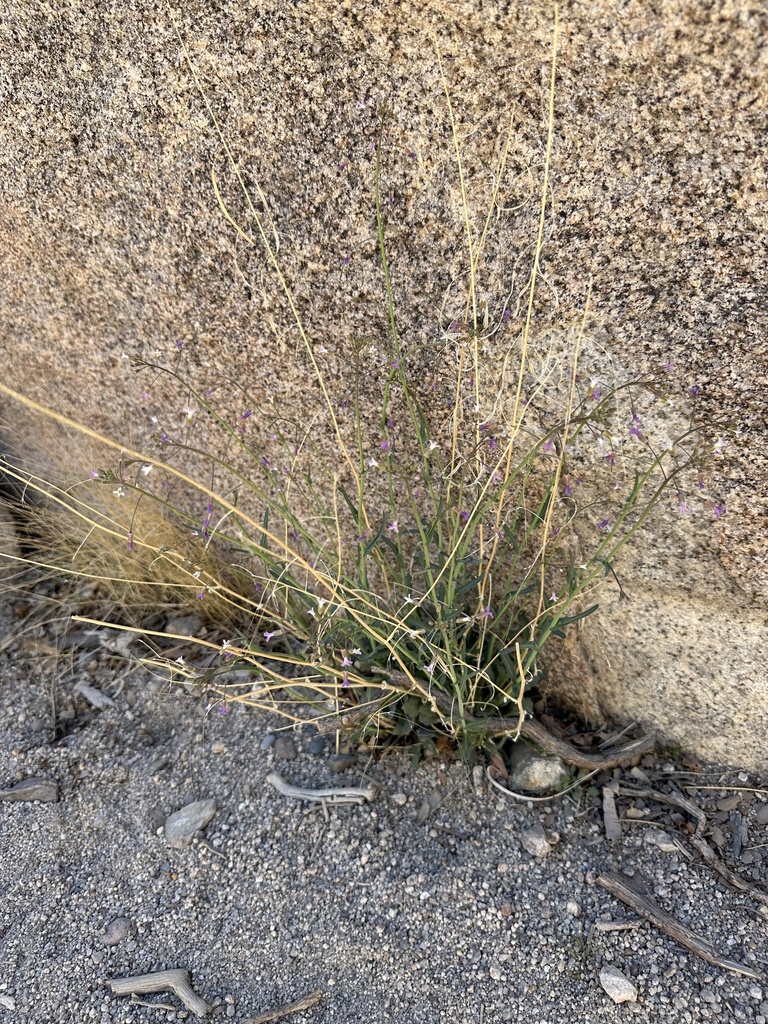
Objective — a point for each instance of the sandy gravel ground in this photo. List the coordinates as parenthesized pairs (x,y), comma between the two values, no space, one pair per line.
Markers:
(395,914)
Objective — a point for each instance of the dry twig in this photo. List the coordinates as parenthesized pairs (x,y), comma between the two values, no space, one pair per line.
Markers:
(283,1011)
(623,888)
(176,981)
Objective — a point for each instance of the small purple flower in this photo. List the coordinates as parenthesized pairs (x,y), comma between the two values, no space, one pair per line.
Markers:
(164,439)
(345,681)
(454,325)
(395,364)
(393,527)
(390,423)
(94,474)
(256,586)
(268,636)
(179,344)
(493,444)
(596,395)
(346,662)
(464,516)
(385,445)
(144,396)
(568,490)
(497,477)
(549,446)
(342,166)
(201,595)
(130,542)
(669,365)
(363,537)
(345,260)
(682,507)
(506,315)
(694,391)
(718,510)
(635,431)
(603,524)
(486,613)
(265,462)
(223,709)
(246,414)
(610,458)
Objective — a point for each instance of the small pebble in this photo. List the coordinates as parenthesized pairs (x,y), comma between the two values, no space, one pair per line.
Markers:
(617,985)
(316,745)
(117,930)
(400,799)
(660,839)
(8,1002)
(285,748)
(496,973)
(761,814)
(182,825)
(268,741)
(535,841)
(340,762)
(572,908)
(44,790)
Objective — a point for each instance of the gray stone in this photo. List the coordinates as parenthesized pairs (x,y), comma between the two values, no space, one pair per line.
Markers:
(537,774)
(186,625)
(117,930)
(285,748)
(661,840)
(340,762)
(617,985)
(535,841)
(268,741)
(316,745)
(44,790)
(182,824)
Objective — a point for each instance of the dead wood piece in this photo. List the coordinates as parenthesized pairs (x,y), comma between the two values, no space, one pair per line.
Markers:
(283,1011)
(176,981)
(624,889)
(610,817)
(335,795)
(531,730)
(697,839)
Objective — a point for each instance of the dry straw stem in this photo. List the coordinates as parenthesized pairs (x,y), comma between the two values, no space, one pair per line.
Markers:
(328,584)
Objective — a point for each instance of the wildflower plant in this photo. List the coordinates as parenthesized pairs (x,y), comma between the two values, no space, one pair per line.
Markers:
(410,587)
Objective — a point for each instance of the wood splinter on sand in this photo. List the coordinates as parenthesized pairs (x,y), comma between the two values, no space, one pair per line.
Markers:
(336,795)
(176,981)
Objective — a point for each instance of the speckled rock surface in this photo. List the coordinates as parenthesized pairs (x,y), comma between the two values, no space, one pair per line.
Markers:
(113,246)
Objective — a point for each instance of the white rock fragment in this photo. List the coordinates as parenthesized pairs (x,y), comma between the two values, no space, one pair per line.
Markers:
(535,841)
(660,839)
(538,774)
(117,930)
(617,985)
(95,697)
(7,1002)
(182,825)
(572,908)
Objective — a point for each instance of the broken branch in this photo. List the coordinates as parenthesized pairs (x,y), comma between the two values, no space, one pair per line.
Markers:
(176,981)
